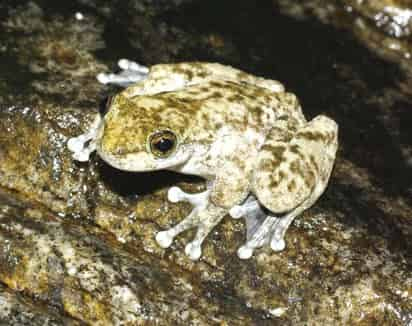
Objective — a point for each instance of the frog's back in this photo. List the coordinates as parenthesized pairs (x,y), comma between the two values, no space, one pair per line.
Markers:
(217,103)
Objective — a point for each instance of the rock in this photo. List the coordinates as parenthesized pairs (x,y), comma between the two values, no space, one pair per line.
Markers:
(383,26)
(17,310)
(77,239)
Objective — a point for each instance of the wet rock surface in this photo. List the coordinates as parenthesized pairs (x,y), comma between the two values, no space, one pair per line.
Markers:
(77,239)
(385,26)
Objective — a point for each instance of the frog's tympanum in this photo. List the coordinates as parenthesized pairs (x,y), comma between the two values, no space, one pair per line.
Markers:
(244,134)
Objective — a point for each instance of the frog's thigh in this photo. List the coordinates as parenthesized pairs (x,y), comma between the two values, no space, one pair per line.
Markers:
(295,172)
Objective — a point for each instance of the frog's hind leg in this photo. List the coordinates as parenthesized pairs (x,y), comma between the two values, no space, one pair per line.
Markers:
(292,172)
(205,216)
(253,213)
(271,229)
(258,225)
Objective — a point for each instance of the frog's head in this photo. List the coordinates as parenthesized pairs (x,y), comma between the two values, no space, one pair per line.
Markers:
(144,133)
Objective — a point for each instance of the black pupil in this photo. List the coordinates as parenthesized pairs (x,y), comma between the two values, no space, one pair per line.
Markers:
(164,145)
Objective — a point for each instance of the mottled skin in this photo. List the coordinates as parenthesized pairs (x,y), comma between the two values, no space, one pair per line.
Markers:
(244,134)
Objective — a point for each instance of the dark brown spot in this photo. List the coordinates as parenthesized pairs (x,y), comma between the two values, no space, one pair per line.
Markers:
(183,71)
(274,182)
(309,179)
(218,125)
(236,98)
(331,137)
(242,75)
(295,167)
(312,135)
(255,108)
(283,117)
(215,84)
(277,152)
(313,162)
(217,94)
(294,149)
(292,186)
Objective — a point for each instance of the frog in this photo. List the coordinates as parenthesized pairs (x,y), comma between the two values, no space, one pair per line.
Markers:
(245,135)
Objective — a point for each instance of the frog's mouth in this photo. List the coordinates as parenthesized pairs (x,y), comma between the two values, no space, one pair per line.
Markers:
(144,162)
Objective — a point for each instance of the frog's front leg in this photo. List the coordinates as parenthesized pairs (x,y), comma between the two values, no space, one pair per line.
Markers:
(230,187)
(205,216)
(83,145)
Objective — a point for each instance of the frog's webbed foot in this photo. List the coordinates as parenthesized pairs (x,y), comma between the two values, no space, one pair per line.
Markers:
(262,228)
(204,216)
(252,212)
(83,145)
(131,72)
(258,225)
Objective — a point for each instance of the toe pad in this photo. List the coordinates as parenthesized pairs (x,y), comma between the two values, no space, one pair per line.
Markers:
(164,239)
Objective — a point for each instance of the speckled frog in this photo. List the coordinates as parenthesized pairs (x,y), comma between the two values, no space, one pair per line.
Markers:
(244,134)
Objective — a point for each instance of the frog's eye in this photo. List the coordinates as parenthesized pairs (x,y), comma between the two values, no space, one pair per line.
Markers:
(162,143)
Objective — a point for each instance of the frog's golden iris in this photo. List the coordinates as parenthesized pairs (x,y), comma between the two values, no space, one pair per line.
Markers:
(162,143)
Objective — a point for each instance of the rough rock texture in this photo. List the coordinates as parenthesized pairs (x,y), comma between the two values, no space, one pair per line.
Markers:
(77,239)
(19,310)
(385,26)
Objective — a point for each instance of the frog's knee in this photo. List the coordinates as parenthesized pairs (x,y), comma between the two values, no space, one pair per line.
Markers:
(321,131)
(318,143)
(286,187)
